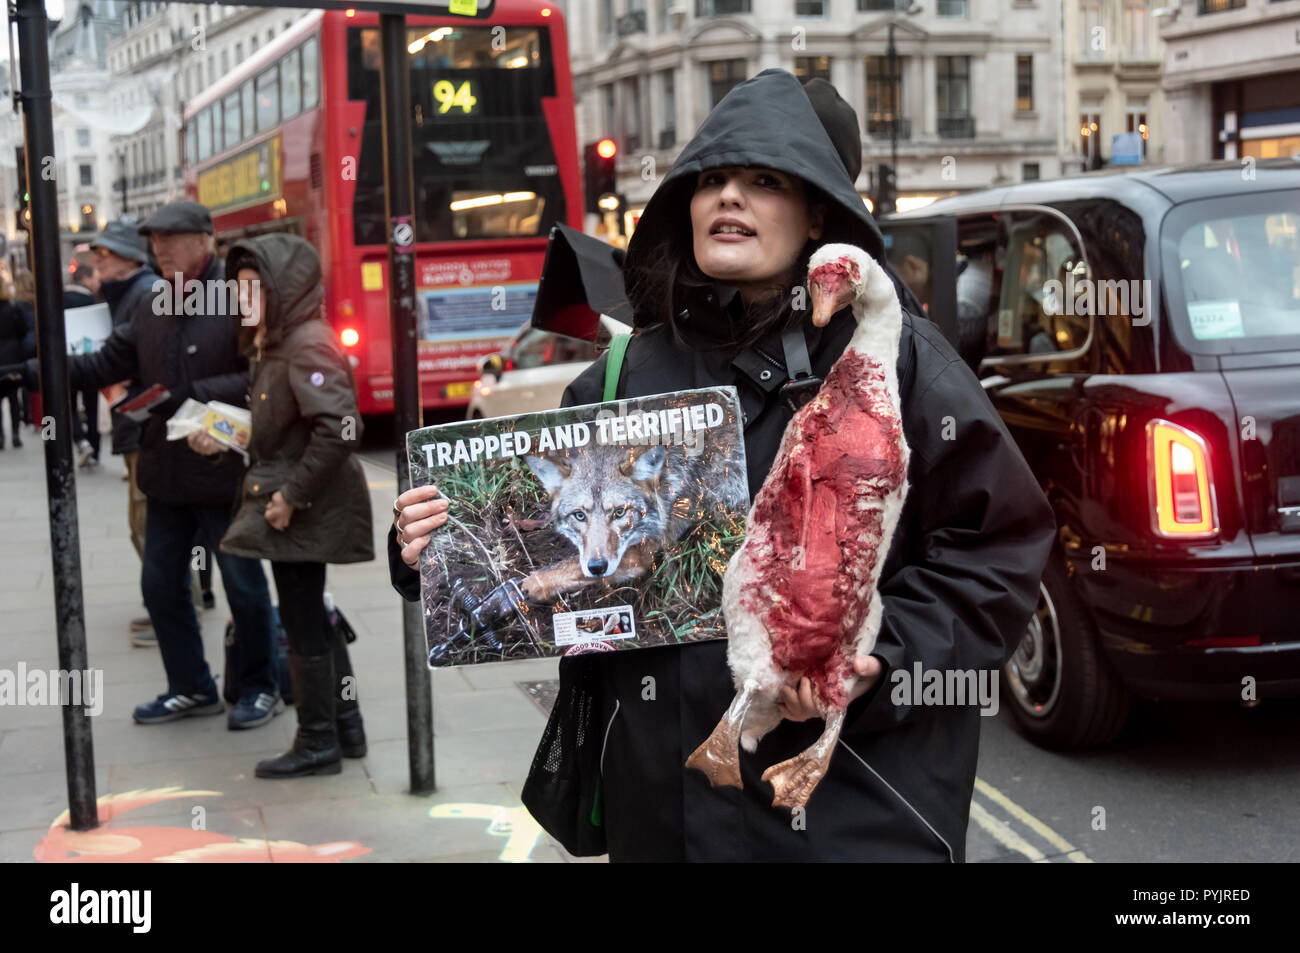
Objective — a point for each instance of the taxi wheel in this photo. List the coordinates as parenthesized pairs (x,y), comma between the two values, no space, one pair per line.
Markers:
(1058,684)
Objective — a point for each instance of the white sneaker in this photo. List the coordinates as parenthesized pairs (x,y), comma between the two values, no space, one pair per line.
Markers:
(84,452)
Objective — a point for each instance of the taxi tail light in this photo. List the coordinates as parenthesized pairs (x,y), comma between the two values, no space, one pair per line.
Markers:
(1182,495)
(349,337)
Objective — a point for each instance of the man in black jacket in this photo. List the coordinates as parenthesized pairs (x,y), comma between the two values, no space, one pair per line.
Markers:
(126,282)
(184,336)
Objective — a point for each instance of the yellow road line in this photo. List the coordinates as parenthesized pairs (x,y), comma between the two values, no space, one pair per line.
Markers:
(1034,824)
(1003,834)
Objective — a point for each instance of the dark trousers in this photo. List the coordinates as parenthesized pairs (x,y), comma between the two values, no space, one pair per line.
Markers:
(302,606)
(90,429)
(10,391)
(165,580)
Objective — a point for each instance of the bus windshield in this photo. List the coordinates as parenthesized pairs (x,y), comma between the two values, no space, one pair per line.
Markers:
(484,164)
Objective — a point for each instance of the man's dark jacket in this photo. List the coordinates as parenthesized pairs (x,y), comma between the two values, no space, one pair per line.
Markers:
(958,586)
(192,355)
(124,298)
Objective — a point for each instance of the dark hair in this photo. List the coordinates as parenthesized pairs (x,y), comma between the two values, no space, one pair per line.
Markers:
(666,279)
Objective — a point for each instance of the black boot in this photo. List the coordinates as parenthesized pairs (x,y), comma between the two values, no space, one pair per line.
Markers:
(316,746)
(352,733)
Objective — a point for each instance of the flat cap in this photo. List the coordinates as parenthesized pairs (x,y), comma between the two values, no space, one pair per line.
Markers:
(179,216)
(123,239)
(840,122)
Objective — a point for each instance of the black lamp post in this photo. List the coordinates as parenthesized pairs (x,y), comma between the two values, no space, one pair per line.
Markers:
(888,190)
(122,155)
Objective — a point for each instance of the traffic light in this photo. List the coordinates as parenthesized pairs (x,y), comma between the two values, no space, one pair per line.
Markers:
(23,218)
(598,169)
(886,197)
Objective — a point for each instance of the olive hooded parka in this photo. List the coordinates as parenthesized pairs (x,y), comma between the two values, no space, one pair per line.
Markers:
(959,584)
(306,426)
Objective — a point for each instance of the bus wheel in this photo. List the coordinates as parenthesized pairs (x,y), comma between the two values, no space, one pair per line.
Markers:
(1059,685)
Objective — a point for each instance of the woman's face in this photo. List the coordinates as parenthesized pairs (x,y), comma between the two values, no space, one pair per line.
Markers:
(252,301)
(749,225)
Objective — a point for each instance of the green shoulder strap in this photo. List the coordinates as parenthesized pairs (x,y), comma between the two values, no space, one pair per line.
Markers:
(614,364)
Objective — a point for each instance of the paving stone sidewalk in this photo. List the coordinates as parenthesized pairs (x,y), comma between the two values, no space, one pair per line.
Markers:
(186,790)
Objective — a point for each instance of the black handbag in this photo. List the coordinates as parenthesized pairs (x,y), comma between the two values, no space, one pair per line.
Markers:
(563,790)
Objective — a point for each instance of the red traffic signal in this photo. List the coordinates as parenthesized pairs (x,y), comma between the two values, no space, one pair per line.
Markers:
(606,148)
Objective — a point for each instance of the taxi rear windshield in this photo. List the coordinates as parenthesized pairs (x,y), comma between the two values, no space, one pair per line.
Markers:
(1237,268)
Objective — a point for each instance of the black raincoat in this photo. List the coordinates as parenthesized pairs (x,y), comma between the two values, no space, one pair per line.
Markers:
(958,586)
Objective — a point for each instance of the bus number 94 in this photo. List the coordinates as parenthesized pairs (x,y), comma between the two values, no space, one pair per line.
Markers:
(449,96)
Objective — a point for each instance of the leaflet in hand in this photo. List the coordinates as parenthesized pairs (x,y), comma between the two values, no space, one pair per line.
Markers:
(138,407)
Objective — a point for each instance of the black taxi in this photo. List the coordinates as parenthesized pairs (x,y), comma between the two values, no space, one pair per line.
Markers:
(1139,334)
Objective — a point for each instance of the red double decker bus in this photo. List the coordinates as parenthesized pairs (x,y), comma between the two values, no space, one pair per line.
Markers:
(292,141)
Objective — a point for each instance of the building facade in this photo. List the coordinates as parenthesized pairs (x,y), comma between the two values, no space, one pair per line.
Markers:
(979,91)
(166,54)
(1114,58)
(1232,79)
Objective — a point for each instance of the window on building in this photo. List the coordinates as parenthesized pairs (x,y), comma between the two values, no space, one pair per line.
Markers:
(723,75)
(1218,6)
(952,95)
(718,8)
(268,99)
(234,132)
(1137,23)
(291,83)
(1029,172)
(1024,83)
(953,9)
(665,20)
(310,74)
(884,98)
(83,138)
(88,223)
(668,110)
(877,6)
(211,71)
(1136,121)
(248,108)
(87,174)
(809,8)
(1093,35)
(1090,133)
(225,62)
(191,142)
(631,132)
(812,67)
(239,53)
(608,116)
(605,18)
(252,44)
(270,35)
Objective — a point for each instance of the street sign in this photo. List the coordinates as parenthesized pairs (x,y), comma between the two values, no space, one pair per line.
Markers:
(1126,148)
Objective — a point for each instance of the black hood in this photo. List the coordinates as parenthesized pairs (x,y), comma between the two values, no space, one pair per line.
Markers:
(765,121)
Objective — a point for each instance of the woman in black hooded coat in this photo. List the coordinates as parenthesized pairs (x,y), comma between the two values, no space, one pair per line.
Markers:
(958,586)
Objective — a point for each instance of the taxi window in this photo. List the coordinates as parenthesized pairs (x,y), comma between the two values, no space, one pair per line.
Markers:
(533,350)
(1036,312)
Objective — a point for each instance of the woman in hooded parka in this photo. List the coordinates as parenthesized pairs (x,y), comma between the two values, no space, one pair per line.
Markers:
(711,272)
(305,501)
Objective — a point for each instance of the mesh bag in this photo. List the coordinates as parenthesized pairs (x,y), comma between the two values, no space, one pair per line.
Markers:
(563,790)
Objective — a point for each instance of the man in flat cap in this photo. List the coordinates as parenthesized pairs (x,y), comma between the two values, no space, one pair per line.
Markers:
(191,351)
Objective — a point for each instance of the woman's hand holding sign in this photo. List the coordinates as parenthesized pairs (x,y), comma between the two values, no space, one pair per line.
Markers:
(416,514)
